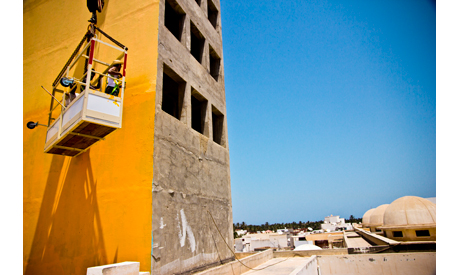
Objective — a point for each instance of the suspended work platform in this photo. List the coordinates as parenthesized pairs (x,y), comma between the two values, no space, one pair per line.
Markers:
(86,114)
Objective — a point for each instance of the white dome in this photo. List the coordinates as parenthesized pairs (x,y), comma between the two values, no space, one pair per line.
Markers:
(410,211)
(376,218)
(304,247)
(367,217)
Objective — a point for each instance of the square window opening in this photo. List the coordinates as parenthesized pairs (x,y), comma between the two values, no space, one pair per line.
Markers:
(199,107)
(422,233)
(217,126)
(197,43)
(174,18)
(212,13)
(214,62)
(397,234)
(173,93)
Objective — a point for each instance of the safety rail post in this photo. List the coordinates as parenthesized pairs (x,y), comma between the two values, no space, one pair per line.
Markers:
(50,116)
(88,71)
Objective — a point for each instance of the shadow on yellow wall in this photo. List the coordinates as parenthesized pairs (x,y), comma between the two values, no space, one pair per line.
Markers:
(69,216)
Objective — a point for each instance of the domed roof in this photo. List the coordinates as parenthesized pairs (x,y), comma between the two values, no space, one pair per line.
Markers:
(367,217)
(376,218)
(410,211)
(307,247)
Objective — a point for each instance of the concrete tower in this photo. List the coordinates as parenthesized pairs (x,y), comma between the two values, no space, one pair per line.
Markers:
(142,194)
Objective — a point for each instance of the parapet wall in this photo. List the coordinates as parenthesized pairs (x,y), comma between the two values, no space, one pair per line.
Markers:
(308,253)
(423,263)
(236,268)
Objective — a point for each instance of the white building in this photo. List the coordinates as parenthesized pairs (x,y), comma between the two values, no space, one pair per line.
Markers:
(282,231)
(250,242)
(299,240)
(335,223)
(241,232)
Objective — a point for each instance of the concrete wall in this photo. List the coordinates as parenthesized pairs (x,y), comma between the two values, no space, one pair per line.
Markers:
(191,171)
(240,255)
(401,263)
(311,268)
(94,209)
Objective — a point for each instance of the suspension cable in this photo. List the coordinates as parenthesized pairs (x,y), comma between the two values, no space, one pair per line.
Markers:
(70,59)
(111,38)
(231,250)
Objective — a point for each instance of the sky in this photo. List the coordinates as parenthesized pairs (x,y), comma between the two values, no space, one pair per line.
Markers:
(331,106)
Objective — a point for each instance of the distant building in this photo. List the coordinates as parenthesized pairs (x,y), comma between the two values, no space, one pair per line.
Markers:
(252,242)
(305,247)
(282,231)
(241,232)
(335,223)
(299,240)
(326,240)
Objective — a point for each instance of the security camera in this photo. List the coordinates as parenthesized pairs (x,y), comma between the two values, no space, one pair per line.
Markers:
(32,124)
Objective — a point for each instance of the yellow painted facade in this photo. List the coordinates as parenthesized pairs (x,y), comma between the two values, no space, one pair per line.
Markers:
(96,208)
(410,235)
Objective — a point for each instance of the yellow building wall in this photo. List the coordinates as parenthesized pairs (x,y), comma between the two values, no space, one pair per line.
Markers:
(411,235)
(324,236)
(96,208)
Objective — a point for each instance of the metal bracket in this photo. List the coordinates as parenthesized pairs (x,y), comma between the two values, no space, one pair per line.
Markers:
(88,136)
(68,148)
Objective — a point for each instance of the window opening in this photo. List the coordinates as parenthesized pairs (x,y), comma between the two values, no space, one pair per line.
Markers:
(214,62)
(217,126)
(174,18)
(199,106)
(198,2)
(397,234)
(212,13)
(197,45)
(422,233)
(173,93)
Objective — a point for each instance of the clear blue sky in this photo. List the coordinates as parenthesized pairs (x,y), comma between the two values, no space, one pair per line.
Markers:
(331,106)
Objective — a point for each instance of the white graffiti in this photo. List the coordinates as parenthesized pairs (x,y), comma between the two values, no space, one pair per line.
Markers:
(185,231)
(162,224)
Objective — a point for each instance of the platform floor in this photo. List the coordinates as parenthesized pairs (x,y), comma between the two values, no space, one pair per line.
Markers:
(279,266)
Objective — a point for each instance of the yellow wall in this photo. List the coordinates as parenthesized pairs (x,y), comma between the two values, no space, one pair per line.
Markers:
(96,208)
(324,236)
(411,235)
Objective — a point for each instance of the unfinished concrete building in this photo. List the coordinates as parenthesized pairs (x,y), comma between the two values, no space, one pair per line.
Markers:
(191,160)
(151,190)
